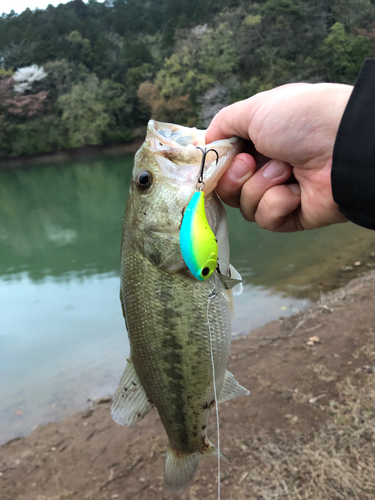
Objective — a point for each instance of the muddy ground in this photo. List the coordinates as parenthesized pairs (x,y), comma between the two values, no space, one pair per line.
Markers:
(307,431)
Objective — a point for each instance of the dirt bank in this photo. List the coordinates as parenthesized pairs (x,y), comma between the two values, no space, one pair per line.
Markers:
(306,431)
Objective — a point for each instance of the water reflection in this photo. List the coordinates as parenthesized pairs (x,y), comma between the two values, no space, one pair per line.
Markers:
(62,336)
(55,221)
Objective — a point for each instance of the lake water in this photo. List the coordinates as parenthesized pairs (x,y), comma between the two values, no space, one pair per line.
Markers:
(62,335)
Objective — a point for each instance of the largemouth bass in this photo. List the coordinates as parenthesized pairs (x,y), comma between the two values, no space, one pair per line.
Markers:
(174,320)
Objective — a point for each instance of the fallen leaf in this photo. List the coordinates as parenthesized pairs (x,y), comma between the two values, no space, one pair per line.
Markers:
(315,338)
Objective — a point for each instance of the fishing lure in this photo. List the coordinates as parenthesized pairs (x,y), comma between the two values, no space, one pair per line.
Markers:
(197,241)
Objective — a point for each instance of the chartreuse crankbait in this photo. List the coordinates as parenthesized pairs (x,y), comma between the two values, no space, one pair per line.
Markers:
(197,241)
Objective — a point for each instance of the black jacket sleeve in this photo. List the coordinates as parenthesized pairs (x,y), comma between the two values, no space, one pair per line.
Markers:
(353,164)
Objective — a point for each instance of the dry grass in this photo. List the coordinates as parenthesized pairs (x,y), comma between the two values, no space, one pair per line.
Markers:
(338,462)
(334,463)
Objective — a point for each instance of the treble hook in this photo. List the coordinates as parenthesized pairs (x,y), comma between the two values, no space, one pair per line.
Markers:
(200,178)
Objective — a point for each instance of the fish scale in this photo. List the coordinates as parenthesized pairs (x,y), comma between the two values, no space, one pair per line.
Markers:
(170,347)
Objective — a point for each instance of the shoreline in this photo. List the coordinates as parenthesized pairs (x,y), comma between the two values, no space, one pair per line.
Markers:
(293,386)
(70,154)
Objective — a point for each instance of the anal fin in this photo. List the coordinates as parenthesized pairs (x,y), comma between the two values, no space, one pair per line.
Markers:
(231,389)
(214,452)
(130,403)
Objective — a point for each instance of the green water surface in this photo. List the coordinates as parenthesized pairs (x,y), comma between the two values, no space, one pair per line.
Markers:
(62,335)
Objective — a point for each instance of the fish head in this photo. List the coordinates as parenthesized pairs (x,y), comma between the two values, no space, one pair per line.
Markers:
(164,179)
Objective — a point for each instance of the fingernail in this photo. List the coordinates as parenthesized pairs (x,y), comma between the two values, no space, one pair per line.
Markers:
(295,188)
(239,171)
(273,170)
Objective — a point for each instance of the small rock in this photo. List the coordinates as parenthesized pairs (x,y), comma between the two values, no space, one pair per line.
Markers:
(357,263)
(346,268)
(88,413)
(103,401)
(369,369)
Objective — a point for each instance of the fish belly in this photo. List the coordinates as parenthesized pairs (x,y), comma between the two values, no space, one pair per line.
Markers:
(172,321)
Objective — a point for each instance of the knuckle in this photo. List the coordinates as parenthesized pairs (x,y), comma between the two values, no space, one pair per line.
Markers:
(248,215)
(271,202)
(270,212)
(270,224)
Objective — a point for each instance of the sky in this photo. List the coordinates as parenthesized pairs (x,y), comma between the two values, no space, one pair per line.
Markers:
(20,5)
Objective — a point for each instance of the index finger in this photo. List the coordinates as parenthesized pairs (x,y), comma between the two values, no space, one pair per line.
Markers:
(230,121)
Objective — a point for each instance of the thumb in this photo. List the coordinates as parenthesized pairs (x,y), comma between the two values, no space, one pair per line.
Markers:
(234,120)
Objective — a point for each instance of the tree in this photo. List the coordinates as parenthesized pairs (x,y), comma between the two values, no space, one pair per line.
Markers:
(343,54)
(172,109)
(83,115)
(25,77)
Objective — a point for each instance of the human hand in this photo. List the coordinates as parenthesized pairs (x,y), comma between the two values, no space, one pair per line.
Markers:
(293,130)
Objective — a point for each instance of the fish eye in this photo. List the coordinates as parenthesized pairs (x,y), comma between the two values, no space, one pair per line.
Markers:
(143,180)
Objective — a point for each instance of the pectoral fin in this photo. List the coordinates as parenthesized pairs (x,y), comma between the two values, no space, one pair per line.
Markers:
(130,403)
(233,281)
(231,389)
(234,274)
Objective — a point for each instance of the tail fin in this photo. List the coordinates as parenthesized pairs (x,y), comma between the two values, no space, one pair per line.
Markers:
(180,470)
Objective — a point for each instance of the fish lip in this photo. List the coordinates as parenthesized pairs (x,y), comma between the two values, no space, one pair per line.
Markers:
(154,129)
(181,163)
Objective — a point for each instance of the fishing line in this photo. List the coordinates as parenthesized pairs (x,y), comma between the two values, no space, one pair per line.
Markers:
(210,297)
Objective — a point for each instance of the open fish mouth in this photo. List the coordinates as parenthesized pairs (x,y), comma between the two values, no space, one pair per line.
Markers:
(178,151)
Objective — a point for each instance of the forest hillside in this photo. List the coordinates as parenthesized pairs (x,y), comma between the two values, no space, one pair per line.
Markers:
(94,73)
